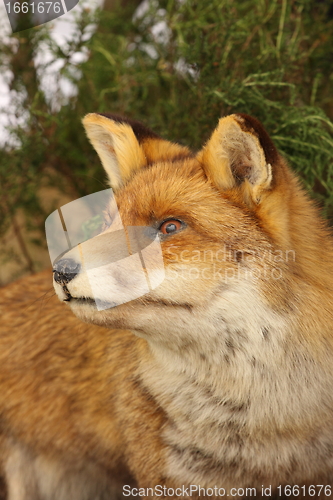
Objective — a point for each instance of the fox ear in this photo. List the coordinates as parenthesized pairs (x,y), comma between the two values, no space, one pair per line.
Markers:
(240,154)
(116,144)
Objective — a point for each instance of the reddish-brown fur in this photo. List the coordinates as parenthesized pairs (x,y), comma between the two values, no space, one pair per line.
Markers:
(96,404)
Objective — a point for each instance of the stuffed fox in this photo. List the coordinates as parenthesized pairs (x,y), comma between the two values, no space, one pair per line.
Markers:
(216,382)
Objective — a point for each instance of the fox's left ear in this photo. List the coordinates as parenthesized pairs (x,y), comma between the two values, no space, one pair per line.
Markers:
(240,153)
(116,144)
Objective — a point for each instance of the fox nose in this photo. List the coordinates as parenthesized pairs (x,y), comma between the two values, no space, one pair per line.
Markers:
(65,270)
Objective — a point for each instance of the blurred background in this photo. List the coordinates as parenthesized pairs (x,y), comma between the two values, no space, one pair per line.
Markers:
(176,65)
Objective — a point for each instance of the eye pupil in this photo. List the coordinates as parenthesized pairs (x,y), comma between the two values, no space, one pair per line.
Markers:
(170,228)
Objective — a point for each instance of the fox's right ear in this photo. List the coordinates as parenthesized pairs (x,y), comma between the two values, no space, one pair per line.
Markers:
(117,146)
(240,155)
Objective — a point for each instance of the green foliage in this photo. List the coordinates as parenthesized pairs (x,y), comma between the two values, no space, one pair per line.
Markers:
(268,59)
(178,66)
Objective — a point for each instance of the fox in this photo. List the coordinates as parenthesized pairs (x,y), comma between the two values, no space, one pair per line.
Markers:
(216,380)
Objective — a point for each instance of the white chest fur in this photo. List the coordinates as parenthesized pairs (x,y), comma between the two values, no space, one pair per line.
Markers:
(239,396)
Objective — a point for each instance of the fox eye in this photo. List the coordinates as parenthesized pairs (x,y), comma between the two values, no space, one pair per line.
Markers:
(170,226)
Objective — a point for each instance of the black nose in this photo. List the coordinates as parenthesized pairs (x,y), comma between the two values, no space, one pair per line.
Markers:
(65,270)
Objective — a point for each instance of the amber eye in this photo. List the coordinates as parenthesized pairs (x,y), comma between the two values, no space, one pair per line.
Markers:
(170,226)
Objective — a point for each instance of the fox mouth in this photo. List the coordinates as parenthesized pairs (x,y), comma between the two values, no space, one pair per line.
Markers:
(77,300)
(102,304)
(80,300)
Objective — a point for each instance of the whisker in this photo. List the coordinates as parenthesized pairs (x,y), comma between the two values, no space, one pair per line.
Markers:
(43,298)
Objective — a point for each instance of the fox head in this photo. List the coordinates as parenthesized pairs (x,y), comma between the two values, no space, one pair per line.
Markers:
(228,220)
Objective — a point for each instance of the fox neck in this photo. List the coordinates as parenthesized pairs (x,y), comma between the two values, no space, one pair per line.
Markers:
(243,386)
(294,224)
(221,349)
(245,356)
(218,413)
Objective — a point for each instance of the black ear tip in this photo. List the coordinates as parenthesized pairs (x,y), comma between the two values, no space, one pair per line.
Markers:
(141,132)
(251,124)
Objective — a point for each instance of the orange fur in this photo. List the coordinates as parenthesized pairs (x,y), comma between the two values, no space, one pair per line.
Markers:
(221,376)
